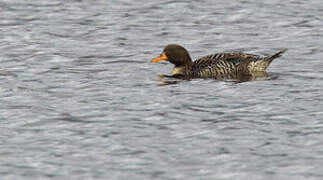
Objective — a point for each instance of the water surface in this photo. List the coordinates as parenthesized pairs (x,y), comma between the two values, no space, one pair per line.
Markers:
(80,99)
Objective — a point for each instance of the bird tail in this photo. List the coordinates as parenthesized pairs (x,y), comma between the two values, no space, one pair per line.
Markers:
(274,56)
(262,65)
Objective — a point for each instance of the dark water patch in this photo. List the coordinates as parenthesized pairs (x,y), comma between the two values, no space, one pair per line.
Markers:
(74,119)
(109,57)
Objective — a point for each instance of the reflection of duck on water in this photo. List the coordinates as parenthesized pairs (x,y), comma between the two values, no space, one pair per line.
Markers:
(222,66)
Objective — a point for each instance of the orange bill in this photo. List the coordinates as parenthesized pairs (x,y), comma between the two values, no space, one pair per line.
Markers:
(159,58)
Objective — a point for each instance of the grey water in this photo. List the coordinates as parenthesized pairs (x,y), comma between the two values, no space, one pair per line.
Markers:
(79,98)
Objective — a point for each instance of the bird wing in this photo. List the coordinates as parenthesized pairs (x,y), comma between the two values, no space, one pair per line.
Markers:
(222,63)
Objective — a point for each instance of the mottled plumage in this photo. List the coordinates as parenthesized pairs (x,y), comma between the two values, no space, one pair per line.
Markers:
(219,65)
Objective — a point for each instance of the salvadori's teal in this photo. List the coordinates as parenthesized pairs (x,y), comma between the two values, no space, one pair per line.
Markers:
(219,65)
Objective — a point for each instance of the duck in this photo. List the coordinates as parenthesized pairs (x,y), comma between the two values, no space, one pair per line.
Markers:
(225,65)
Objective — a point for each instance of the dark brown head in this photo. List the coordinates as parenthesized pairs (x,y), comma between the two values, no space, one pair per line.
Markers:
(175,54)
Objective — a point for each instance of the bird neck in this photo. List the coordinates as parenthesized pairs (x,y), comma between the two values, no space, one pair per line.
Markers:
(182,69)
